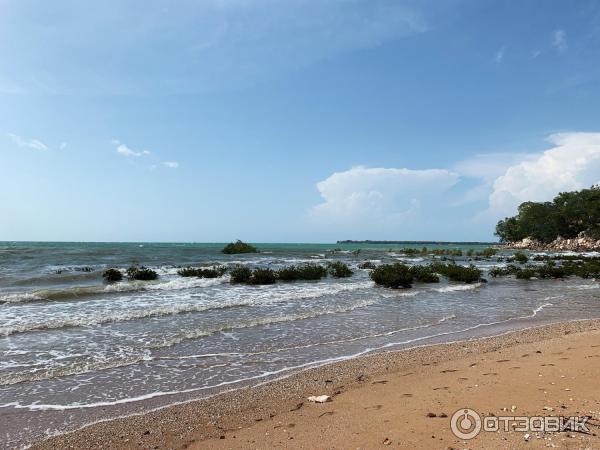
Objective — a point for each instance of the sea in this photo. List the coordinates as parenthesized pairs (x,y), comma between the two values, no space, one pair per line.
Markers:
(75,350)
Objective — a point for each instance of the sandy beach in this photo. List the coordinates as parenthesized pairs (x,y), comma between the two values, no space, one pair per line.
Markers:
(397,399)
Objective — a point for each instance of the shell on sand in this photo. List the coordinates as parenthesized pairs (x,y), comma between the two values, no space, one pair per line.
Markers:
(319,398)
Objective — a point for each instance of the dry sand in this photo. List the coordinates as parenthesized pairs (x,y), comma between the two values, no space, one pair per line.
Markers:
(389,400)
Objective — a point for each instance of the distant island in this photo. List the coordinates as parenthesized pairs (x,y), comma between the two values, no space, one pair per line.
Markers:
(571,221)
(368,241)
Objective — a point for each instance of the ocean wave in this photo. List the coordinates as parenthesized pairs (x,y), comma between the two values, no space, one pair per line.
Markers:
(75,368)
(315,344)
(55,278)
(126,357)
(241,296)
(255,322)
(60,407)
(76,292)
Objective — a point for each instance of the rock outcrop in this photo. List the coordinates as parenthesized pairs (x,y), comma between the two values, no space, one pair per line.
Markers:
(578,244)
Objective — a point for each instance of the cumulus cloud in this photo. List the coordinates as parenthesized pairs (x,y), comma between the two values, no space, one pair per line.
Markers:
(171,164)
(28,143)
(573,163)
(559,40)
(489,166)
(363,193)
(123,150)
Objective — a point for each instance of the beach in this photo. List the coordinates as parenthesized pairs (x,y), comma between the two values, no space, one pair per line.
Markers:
(396,399)
(193,353)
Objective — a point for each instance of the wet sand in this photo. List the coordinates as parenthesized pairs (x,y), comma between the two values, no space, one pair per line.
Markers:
(396,399)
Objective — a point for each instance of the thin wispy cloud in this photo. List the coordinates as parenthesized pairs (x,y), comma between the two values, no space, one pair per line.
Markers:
(63,145)
(535,53)
(559,40)
(133,154)
(500,55)
(35,144)
(123,150)
(205,45)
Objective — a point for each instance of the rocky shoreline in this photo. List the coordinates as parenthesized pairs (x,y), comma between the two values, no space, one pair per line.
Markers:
(579,244)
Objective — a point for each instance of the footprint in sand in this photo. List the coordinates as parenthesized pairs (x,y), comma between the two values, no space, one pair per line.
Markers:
(407,395)
(515,367)
(449,371)
(327,413)
(548,364)
(380,382)
(503,360)
(490,373)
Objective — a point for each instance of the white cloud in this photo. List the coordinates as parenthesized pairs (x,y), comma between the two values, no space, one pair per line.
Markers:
(573,163)
(559,40)
(123,150)
(535,53)
(63,145)
(489,166)
(500,55)
(485,168)
(375,194)
(171,164)
(29,143)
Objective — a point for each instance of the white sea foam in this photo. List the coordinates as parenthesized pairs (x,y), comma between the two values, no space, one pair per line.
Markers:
(18,297)
(126,286)
(316,344)
(59,407)
(249,323)
(125,310)
(78,367)
(458,287)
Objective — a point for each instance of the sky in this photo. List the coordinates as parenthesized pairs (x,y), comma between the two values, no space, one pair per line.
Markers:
(291,121)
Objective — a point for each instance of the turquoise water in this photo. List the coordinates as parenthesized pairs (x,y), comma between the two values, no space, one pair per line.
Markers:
(74,349)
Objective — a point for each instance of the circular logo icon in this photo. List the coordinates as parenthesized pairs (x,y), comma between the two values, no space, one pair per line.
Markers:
(465,423)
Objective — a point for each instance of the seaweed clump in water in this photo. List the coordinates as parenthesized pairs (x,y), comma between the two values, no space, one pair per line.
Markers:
(141,273)
(392,275)
(238,247)
(202,272)
(339,269)
(112,275)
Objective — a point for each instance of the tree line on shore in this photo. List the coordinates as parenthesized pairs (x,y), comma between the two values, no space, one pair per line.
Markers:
(568,215)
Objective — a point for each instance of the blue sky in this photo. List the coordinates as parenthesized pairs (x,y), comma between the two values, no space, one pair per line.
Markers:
(296,120)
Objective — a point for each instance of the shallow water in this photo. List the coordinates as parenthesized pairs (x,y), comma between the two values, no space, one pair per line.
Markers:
(75,350)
